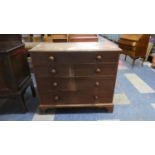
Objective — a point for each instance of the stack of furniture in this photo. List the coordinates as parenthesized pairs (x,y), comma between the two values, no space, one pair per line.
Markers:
(75,74)
(15,76)
(134,45)
(33,40)
(83,38)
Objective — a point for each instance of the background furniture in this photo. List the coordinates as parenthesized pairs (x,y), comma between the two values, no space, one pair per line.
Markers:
(153,60)
(148,52)
(134,45)
(112,37)
(75,74)
(37,38)
(151,50)
(83,38)
(15,76)
(59,37)
(29,45)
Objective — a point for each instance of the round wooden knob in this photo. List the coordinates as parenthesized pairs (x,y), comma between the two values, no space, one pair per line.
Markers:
(96,97)
(56,98)
(55,84)
(52,58)
(98,70)
(53,71)
(99,57)
(97,83)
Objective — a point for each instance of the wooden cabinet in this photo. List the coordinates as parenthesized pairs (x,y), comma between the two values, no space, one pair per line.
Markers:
(134,45)
(14,70)
(75,74)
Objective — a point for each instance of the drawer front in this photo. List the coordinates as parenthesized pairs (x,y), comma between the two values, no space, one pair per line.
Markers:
(74,84)
(79,97)
(53,71)
(95,69)
(49,58)
(81,70)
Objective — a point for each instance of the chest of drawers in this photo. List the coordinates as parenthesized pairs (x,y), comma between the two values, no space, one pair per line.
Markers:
(75,74)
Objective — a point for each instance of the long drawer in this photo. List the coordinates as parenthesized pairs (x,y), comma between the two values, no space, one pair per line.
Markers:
(78,97)
(73,84)
(79,70)
(48,58)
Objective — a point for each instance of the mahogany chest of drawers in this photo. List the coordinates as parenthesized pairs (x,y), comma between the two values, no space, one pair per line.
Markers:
(75,74)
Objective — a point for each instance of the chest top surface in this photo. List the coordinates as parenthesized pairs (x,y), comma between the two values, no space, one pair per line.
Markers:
(76,47)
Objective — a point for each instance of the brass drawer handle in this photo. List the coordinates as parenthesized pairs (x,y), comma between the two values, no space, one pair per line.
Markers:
(55,84)
(99,57)
(53,71)
(56,98)
(97,83)
(98,70)
(51,58)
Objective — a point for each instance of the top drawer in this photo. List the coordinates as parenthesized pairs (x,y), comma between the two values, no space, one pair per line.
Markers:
(48,58)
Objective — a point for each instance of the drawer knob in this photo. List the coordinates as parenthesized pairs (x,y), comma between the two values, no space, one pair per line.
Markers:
(52,58)
(97,83)
(56,98)
(99,57)
(53,71)
(98,70)
(96,97)
(55,84)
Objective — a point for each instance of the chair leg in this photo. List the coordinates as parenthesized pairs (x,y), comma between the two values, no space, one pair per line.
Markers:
(33,90)
(125,57)
(133,63)
(143,62)
(21,101)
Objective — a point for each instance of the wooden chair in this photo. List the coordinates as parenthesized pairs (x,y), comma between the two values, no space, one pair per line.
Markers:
(134,45)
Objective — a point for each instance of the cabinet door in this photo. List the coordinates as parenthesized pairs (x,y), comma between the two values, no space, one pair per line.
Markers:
(5,79)
(19,65)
